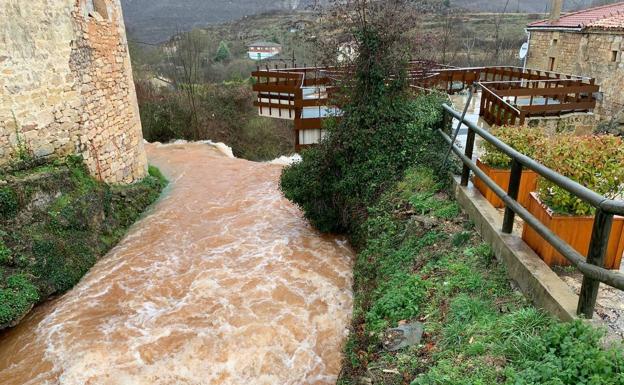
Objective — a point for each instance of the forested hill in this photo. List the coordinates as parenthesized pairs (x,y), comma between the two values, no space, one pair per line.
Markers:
(156,20)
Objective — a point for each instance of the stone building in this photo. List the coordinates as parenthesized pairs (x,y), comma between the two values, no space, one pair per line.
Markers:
(66,86)
(587,43)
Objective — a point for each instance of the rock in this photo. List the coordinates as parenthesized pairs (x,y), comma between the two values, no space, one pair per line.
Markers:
(44,150)
(427,222)
(402,336)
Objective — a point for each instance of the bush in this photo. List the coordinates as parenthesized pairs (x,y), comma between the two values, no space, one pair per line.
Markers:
(569,353)
(526,140)
(596,162)
(225,113)
(8,203)
(363,154)
(16,297)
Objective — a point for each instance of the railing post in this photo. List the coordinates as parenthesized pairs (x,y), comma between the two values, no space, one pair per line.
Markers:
(595,256)
(470,141)
(512,191)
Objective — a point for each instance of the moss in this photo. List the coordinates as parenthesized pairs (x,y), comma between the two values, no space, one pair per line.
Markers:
(56,242)
(5,254)
(16,297)
(8,203)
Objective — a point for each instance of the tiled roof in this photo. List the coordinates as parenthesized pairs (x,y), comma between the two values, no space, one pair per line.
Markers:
(264,44)
(604,17)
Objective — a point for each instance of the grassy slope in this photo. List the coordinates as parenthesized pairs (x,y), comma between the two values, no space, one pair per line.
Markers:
(56,221)
(423,261)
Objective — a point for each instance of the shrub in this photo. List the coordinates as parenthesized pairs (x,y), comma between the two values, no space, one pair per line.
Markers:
(18,295)
(568,353)
(526,140)
(596,162)
(363,154)
(8,203)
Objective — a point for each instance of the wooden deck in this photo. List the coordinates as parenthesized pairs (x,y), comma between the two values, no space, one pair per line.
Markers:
(510,95)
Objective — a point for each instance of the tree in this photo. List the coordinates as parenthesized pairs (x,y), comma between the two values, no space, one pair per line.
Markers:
(223,53)
(381,129)
(187,63)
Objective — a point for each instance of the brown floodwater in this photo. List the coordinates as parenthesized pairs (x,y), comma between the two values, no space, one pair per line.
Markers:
(223,282)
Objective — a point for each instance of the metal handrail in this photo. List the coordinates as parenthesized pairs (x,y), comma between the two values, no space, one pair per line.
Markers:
(591,268)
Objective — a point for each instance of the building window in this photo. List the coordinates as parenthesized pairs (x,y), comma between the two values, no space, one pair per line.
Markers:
(555,41)
(551,64)
(97,8)
(614,56)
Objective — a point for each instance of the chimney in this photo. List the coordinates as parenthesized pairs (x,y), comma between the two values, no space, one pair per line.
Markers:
(555,10)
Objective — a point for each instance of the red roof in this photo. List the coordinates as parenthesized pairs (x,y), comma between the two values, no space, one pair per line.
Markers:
(604,17)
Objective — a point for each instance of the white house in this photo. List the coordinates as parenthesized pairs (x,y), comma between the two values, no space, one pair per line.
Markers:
(263,50)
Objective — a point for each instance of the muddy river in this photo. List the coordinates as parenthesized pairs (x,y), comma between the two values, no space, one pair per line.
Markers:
(222,282)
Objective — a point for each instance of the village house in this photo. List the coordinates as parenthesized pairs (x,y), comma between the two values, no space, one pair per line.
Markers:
(262,50)
(587,43)
(66,86)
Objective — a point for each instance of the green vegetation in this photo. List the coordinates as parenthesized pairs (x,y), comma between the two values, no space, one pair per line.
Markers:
(225,114)
(526,140)
(377,178)
(416,264)
(596,162)
(56,221)
(337,181)
(223,52)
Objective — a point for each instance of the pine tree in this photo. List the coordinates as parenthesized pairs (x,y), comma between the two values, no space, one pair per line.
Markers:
(223,53)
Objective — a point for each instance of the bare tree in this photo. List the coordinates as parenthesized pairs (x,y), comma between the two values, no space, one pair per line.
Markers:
(187,62)
(497,28)
(448,38)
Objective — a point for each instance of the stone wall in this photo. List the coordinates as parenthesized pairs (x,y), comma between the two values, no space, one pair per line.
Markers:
(587,53)
(577,123)
(67,86)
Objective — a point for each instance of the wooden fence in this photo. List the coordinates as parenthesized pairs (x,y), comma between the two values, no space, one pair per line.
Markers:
(509,96)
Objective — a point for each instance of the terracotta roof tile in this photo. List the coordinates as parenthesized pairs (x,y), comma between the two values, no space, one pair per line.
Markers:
(604,17)
(613,22)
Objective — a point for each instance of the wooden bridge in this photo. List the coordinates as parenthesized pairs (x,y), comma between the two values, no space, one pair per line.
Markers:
(509,95)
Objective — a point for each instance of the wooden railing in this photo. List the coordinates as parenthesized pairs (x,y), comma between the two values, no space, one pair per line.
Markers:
(509,96)
(512,94)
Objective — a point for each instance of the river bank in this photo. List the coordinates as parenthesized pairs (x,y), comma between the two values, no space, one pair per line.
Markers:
(223,282)
(56,221)
(421,260)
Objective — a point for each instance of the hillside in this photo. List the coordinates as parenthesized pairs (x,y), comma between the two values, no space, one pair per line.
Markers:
(156,20)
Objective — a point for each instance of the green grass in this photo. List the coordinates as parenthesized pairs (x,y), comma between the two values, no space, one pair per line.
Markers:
(478,330)
(46,248)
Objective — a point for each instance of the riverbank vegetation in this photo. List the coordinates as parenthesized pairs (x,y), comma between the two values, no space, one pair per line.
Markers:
(56,221)
(378,178)
(200,91)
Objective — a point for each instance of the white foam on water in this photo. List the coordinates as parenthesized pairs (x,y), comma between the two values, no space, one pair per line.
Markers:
(287,160)
(222,283)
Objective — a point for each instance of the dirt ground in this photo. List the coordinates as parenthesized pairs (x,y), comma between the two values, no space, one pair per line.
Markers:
(610,305)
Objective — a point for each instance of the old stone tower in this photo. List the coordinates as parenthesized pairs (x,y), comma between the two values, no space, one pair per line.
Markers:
(66,86)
